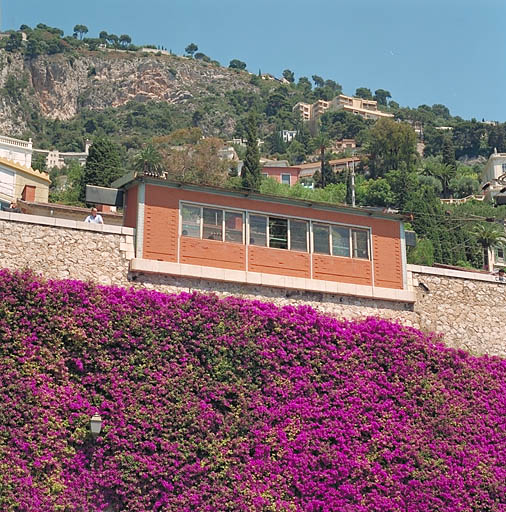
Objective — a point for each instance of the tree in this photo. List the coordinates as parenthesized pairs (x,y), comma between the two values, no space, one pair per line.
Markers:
(103,35)
(381,96)
(251,167)
(449,152)
(80,30)
(363,92)
(125,40)
(103,165)
(443,172)
(318,80)
(390,144)
(39,162)
(14,42)
(488,235)
(422,254)
(379,193)
(191,49)
(149,160)
(289,75)
(237,64)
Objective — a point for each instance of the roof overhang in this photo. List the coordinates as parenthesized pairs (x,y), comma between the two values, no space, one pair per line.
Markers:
(132,177)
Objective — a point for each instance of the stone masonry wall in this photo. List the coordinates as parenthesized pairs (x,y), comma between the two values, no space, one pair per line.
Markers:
(65,249)
(468,308)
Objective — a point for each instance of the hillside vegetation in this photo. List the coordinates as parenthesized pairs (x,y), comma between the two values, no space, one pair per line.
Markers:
(231,405)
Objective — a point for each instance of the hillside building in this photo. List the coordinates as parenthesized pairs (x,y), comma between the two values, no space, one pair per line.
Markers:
(22,152)
(239,236)
(493,180)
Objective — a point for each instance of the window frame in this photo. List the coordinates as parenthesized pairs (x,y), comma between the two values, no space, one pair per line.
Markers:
(310,222)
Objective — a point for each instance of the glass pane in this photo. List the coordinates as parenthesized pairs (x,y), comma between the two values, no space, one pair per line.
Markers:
(213,224)
(191,221)
(278,233)
(298,235)
(285,179)
(233,227)
(340,241)
(258,230)
(360,245)
(321,239)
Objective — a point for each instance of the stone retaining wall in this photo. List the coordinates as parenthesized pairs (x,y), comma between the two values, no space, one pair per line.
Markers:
(469,308)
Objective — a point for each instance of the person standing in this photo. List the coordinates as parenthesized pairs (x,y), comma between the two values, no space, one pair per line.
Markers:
(94,217)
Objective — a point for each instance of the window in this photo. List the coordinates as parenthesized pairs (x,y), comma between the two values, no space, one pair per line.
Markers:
(278,233)
(298,235)
(191,221)
(213,224)
(504,168)
(340,241)
(258,230)
(234,222)
(285,179)
(500,253)
(321,243)
(360,239)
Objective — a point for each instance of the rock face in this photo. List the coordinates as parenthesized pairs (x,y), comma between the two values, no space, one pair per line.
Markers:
(59,86)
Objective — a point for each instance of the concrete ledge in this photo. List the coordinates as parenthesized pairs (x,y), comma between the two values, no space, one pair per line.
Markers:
(269,280)
(446,272)
(65,223)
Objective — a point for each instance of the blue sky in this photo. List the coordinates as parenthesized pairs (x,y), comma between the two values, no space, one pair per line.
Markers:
(422,51)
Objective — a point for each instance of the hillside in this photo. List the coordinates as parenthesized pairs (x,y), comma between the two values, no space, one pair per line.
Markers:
(230,405)
(60,87)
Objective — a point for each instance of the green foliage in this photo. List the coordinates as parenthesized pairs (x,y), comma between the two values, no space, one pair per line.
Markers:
(422,254)
(66,184)
(390,145)
(364,92)
(289,75)
(251,166)
(382,96)
(237,64)
(103,165)
(191,49)
(80,30)
(379,193)
(39,162)
(15,87)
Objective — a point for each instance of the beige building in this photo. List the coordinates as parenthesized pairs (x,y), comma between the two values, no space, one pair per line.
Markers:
(20,182)
(368,109)
(494,175)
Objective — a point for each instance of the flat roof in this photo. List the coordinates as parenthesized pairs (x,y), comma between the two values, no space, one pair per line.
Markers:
(140,177)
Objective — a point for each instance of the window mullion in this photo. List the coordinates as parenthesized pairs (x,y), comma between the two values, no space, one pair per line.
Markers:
(288,231)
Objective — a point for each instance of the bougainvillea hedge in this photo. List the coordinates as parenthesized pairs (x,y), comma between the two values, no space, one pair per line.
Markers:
(230,405)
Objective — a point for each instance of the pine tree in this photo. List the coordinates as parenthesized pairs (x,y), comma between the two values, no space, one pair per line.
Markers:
(103,165)
(251,166)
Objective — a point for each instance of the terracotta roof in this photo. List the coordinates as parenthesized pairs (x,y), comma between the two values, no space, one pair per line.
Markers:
(28,170)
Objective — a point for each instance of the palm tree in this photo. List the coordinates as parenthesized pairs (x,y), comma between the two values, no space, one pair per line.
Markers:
(488,236)
(443,172)
(149,160)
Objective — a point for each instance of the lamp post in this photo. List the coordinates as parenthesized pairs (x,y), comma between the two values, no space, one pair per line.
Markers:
(96,424)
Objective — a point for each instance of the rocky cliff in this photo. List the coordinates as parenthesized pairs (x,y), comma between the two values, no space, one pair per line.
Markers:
(61,86)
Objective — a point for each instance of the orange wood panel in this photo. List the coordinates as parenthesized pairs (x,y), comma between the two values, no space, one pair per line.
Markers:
(387,261)
(131,207)
(343,270)
(213,253)
(279,261)
(161,224)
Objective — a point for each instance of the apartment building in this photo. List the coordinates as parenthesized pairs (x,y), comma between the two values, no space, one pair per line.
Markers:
(368,109)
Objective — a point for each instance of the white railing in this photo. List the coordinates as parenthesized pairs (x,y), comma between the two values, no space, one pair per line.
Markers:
(15,142)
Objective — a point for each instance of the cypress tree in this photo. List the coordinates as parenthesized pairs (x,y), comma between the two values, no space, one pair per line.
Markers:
(251,167)
(103,165)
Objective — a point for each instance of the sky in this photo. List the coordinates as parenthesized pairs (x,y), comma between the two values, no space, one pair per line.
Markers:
(422,51)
